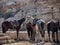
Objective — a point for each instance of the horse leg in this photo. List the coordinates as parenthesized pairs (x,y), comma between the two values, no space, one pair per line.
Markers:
(33,35)
(29,34)
(49,34)
(43,33)
(36,38)
(17,34)
(4,29)
(53,36)
(17,29)
(57,36)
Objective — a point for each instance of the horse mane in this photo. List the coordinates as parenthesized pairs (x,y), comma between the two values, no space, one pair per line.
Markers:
(21,21)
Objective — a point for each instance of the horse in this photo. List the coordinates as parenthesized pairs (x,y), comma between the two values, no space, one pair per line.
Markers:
(53,27)
(30,30)
(37,27)
(41,27)
(7,25)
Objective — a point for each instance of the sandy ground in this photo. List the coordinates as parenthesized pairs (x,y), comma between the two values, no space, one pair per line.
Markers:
(24,36)
(28,43)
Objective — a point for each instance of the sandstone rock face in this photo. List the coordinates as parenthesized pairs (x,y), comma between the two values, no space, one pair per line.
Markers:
(42,8)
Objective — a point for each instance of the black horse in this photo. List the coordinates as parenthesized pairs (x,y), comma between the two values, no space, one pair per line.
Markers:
(53,27)
(7,25)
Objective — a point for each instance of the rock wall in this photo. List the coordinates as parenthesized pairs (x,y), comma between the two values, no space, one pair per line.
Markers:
(42,8)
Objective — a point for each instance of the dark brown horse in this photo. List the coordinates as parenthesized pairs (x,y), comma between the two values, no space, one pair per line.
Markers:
(53,27)
(30,30)
(7,25)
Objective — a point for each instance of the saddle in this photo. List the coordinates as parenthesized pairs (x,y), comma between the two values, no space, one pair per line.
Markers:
(14,23)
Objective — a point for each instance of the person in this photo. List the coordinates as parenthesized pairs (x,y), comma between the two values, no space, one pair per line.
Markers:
(35,19)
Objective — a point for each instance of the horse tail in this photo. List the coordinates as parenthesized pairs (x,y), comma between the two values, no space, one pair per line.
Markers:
(3,29)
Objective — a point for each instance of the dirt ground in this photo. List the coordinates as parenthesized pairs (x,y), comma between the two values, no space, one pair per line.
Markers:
(28,43)
(25,40)
(24,35)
